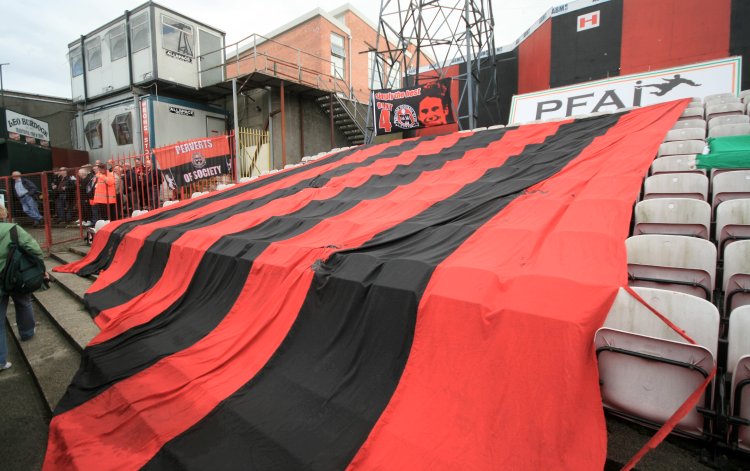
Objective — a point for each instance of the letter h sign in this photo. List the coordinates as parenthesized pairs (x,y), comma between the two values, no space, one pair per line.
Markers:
(589,20)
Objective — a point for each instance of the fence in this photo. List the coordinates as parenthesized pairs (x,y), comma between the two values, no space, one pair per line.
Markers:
(58,207)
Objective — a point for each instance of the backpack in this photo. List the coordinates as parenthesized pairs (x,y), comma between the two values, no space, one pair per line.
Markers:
(24,271)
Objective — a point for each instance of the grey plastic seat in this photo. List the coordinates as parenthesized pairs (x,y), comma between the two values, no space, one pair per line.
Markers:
(673,262)
(738,366)
(675,216)
(718,97)
(725,130)
(696,112)
(732,222)
(676,185)
(646,369)
(686,134)
(675,164)
(723,109)
(693,146)
(736,283)
(690,123)
(729,119)
(730,185)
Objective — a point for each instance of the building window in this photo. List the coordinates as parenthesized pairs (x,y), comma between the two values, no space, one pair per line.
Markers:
(176,36)
(93,132)
(76,62)
(338,56)
(374,72)
(117,46)
(121,126)
(94,53)
(140,32)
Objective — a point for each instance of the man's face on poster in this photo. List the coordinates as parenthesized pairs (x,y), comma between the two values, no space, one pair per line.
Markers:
(432,112)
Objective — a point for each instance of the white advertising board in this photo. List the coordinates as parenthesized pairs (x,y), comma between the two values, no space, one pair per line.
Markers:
(648,88)
(26,126)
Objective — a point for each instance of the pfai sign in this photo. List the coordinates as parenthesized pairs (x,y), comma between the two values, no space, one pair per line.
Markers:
(697,80)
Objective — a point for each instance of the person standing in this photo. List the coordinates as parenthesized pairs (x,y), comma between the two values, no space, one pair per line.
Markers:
(27,192)
(85,176)
(103,202)
(22,302)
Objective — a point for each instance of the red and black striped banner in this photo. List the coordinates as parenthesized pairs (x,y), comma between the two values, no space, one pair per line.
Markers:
(422,304)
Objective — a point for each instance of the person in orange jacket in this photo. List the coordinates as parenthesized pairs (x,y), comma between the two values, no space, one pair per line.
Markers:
(105,197)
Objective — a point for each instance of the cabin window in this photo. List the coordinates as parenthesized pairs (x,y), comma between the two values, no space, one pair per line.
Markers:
(176,36)
(338,56)
(76,62)
(121,127)
(118,47)
(140,33)
(94,53)
(93,132)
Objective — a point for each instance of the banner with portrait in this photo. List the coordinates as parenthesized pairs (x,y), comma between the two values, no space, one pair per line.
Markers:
(422,106)
(191,161)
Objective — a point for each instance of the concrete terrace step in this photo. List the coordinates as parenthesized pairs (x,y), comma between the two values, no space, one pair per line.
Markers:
(68,313)
(80,250)
(75,285)
(50,355)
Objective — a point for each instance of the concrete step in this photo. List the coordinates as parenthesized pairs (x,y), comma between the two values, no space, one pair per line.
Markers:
(68,313)
(81,250)
(75,285)
(50,355)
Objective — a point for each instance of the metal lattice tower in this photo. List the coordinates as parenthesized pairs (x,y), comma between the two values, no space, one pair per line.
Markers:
(424,38)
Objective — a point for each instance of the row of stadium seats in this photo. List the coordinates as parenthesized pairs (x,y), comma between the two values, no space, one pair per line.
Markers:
(689,259)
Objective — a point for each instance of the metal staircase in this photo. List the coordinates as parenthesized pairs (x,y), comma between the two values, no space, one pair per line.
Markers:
(349,116)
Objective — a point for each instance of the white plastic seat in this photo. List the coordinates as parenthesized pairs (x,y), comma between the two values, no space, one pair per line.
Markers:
(690,123)
(738,366)
(694,146)
(729,119)
(676,185)
(675,164)
(736,283)
(686,134)
(717,97)
(646,369)
(723,109)
(732,222)
(730,130)
(696,112)
(745,95)
(730,185)
(722,100)
(675,216)
(677,263)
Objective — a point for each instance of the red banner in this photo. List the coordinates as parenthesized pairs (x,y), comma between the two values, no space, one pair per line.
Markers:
(190,161)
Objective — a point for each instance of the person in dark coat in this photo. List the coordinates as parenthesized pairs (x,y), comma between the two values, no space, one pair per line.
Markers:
(27,193)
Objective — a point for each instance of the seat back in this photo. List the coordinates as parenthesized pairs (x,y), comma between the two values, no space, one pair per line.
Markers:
(730,129)
(690,123)
(694,146)
(732,222)
(673,261)
(723,109)
(646,369)
(730,186)
(740,401)
(695,112)
(729,119)
(685,134)
(676,185)
(717,97)
(738,337)
(678,216)
(736,283)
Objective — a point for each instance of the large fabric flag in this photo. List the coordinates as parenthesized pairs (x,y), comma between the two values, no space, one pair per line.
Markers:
(421,304)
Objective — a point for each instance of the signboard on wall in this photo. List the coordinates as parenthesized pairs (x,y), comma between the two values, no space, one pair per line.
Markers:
(697,80)
(26,126)
(195,160)
(418,107)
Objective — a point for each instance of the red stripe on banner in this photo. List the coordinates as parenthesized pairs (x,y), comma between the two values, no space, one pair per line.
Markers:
(185,253)
(149,409)
(502,373)
(181,153)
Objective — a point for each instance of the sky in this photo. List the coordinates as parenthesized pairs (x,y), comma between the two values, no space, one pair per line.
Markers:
(34,34)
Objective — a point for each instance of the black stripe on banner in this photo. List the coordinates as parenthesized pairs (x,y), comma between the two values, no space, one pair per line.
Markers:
(153,255)
(104,258)
(221,275)
(315,402)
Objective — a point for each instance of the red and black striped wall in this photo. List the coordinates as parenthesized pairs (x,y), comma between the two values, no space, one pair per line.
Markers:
(633,36)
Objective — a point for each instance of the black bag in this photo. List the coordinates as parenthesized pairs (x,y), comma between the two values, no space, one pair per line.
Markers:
(24,271)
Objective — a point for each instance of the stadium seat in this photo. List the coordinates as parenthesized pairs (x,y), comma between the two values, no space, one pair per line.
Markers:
(690,123)
(676,185)
(730,119)
(745,96)
(675,216)
(736,275)
(732,222)
(738,366)
(730,185)
(722,101)
(686,134)
(723,109)
(694,146)
(730,130)
(692,113)
(675,164)
(678,263)
(646,369)
(717,97)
